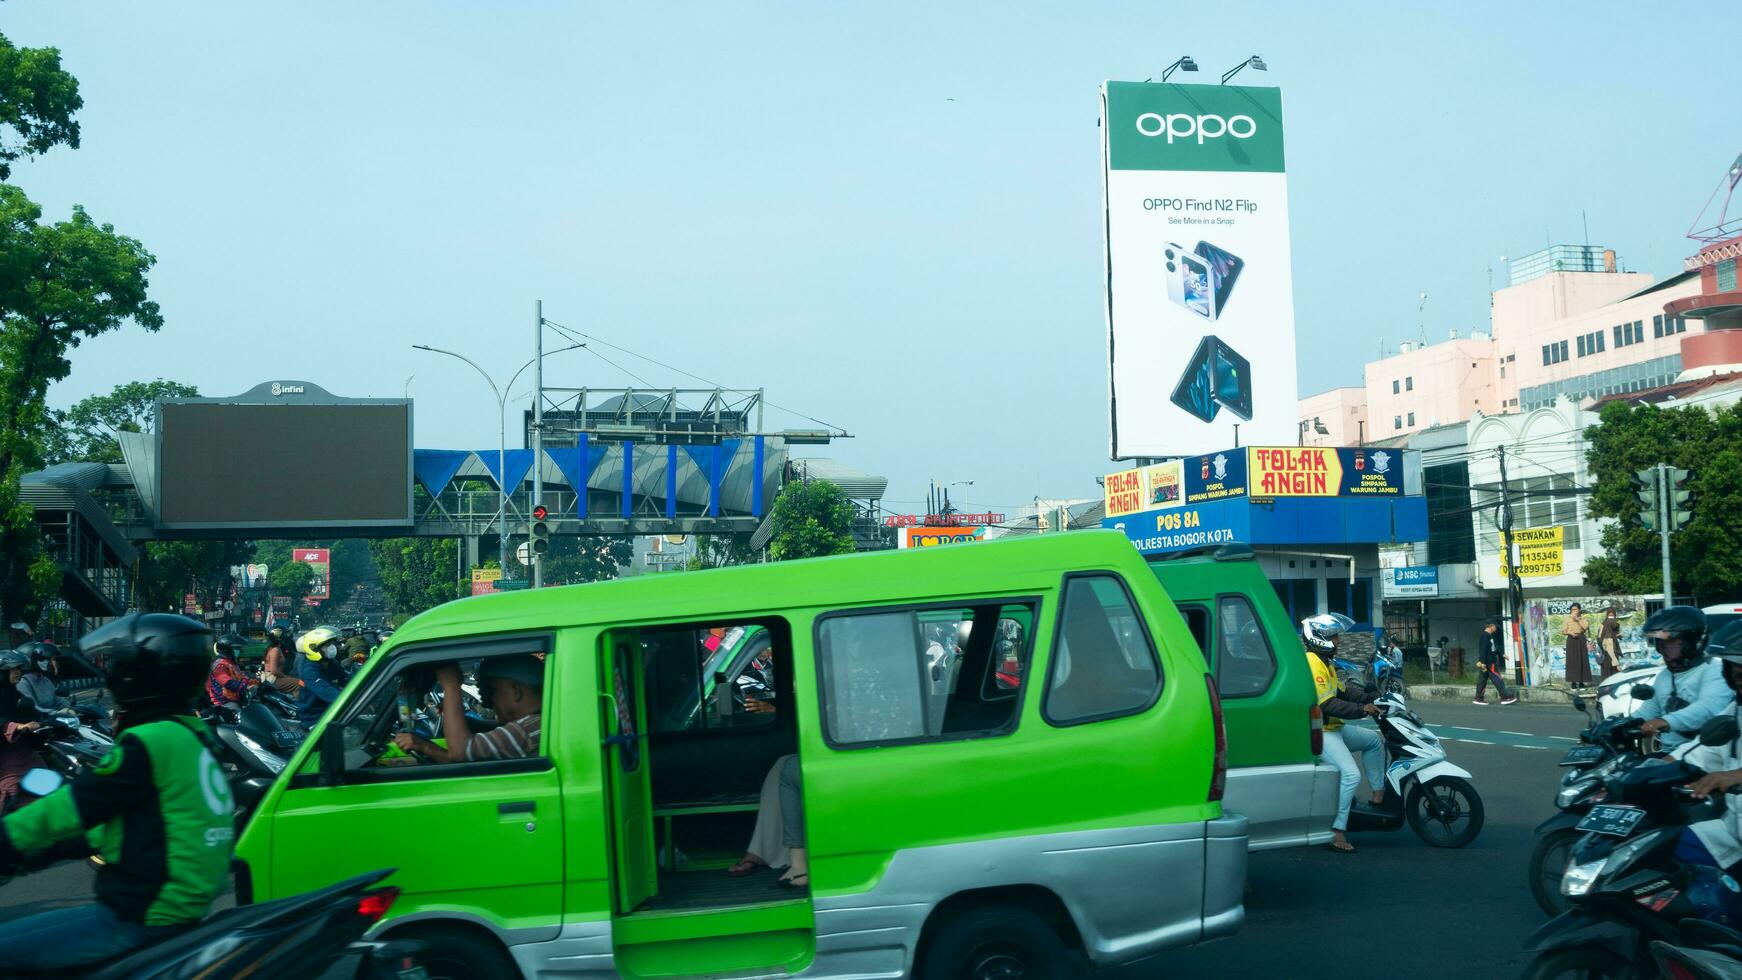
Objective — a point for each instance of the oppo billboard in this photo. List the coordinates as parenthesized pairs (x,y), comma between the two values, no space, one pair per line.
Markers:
(1200,297)
(286,454)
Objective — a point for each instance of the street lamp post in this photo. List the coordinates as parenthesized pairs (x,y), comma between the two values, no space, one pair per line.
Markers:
(501,434)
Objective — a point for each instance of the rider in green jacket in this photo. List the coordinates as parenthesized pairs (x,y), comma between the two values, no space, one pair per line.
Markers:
(157,809)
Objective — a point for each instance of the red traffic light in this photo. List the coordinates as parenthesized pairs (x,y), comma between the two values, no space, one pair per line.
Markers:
(540,512)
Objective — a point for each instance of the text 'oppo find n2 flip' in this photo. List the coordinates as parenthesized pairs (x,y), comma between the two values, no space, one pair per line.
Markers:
(1216,377)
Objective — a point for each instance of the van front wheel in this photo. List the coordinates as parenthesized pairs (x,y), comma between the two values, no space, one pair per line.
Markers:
(459,954)
(996,943)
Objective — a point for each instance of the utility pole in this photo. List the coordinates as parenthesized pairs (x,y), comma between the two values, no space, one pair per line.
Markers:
(538,437)
(1514,585)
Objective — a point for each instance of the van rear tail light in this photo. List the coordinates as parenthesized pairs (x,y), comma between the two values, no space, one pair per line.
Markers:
(375,904)
(1318,723)
(1219,772)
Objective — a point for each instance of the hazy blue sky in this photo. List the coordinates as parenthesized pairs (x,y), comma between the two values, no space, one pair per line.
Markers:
(784,196)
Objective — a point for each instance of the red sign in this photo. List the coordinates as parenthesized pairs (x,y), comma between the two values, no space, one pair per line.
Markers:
(319,559)
(943,520)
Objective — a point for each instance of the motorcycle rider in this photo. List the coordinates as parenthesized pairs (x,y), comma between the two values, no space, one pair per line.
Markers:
(318,688)
(227,682)
(157,809)
(1690,689)
(1338,703)
(36,684)
(18,717)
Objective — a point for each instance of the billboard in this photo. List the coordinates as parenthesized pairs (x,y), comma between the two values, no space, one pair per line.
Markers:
(1540,552)
(484,580)
(1293,471)
(1200,307)
(931,537)
(364,444)
(1417,581)
(321,560)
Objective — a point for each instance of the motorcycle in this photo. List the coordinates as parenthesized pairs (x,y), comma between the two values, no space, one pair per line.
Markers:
(1435,797)
(1608,747)
(1384,675)
(68,744)
(304,935)
(1705,951)
(1625,879)
(257,746)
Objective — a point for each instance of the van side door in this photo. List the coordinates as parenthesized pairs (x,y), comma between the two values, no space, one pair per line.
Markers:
(628,785)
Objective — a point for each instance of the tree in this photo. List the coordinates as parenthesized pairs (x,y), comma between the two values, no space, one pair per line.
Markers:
(721,550)
(37,102)
(1706,555)
(291,578)
(811,518)
(87,432)
(574,559)
(169,570)
(416,573)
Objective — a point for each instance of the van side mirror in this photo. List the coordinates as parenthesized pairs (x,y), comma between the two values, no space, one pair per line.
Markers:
(1720,731)
(1643,692)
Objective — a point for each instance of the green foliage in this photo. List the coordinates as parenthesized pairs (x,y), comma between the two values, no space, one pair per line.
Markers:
(416,573)
(721,550)
(169,570)
(811,518)
(291,578)
(1706,554)
(86,432)
(573,559)
(37,102)
(32,576)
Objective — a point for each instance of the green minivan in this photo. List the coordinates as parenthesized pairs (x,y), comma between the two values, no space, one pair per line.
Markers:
(1009,758)
(1275,778)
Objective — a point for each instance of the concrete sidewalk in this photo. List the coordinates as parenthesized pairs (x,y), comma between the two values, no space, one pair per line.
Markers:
(1467,692)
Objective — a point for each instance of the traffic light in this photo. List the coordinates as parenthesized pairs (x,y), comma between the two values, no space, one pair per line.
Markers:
(539,533)
(1679,495)
(1647,498)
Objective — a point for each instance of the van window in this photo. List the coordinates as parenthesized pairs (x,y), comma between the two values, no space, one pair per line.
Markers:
(412,704)
(1246,665)
(1103,663)
(709,677)
(922,674)
(1198,621)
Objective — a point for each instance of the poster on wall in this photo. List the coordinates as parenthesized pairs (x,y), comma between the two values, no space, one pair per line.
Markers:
(1543,619)
(1200,298)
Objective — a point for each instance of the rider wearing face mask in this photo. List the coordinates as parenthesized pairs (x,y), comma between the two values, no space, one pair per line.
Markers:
(1720,838)
(1690,689)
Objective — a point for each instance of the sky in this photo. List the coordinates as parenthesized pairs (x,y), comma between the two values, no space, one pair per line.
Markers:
(886,215)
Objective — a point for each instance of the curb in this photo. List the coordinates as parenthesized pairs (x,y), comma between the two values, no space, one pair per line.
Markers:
(1458,692)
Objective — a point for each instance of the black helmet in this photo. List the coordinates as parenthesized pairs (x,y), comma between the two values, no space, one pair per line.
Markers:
(229,646)
(1684,621)
(39,653)
(150,661)
(13,659)
(1726,642)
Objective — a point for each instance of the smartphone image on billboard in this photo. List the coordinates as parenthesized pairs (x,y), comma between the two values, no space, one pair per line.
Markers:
(1224,269)
(1195,391)
(1216,377)
(1189,280)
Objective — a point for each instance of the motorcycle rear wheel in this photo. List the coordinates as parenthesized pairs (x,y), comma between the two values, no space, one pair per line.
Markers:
(1445,811)
(1581,962)
(1548,862)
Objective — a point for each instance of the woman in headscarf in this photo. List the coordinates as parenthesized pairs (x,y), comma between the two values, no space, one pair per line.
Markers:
(1573,627)
(1609,644)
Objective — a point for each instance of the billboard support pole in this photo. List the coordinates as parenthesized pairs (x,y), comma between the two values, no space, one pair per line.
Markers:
(537,434)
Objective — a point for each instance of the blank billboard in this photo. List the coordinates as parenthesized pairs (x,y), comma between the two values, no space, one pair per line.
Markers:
(222,465)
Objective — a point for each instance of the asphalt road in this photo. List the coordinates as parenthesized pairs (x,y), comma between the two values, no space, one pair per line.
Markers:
(1396,907)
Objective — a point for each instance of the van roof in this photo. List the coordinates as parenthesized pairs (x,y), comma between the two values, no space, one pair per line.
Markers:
(1013,566)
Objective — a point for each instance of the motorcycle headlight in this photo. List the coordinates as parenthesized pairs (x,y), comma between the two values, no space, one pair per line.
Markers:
(1568,796)
(1580,877)
(266,758)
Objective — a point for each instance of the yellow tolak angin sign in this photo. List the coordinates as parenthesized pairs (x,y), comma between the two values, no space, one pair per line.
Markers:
(1540,550)
(1146,488)
(1297,472)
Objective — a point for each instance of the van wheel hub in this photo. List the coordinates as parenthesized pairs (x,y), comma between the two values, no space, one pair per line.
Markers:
(997,964)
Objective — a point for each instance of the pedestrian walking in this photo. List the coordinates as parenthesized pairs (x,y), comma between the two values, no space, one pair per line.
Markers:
(1574,628)
(1609,645)
(1490,660)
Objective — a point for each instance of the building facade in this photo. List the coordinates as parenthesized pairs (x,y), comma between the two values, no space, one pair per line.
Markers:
(1334,418)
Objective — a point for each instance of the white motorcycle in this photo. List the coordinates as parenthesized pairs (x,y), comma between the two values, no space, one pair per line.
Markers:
(1435,797)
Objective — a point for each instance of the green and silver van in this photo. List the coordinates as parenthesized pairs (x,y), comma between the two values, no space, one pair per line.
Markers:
(1009,754)
(1275,779)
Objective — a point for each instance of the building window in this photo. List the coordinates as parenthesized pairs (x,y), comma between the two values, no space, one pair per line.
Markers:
(1726,273)
(1599,336)
(1582,350)
(1394,388)
(1545,355)
(1299,596)
(1397,421)
(1411,418)
(1408,384)
(1503,370)
(1657,325)
(1451,535)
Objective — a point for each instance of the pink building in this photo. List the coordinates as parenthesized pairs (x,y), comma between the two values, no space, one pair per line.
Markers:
(1424,386)
(1334,418)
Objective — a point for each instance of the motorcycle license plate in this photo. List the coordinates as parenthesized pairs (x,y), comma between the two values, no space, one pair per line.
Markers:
(1616,821)
(1582,755)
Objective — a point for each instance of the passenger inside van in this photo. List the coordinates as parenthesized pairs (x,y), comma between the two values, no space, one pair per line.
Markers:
(778,840)
(512,687)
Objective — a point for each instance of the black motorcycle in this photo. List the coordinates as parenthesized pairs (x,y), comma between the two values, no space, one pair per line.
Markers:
(300,936)
(257,746)
(1627,885)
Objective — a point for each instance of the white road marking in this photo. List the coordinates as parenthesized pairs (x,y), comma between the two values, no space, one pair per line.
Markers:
(1472,741)
(1563,738)
(1525,734)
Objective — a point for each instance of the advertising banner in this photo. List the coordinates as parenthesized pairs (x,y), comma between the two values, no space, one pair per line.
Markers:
(1217,476)
(1291,471)
(1540,551)
(1544,618)
(1200,300)
(1144,488)
(319,559)
(248,576)
(1185,527)
(931,537)
(484,580)
(1414,581)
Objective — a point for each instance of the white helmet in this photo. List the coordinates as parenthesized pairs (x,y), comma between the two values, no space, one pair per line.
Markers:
(1321,631)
